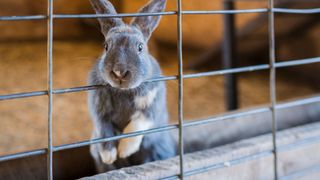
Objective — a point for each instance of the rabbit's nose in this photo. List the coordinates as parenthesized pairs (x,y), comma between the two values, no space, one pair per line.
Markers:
(120,73)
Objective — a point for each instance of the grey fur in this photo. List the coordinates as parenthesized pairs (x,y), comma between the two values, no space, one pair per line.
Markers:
(112,106)
(105,7)
(147,24)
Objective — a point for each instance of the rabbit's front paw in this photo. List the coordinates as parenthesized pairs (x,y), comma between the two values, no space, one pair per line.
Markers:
(129,146)
(108,156)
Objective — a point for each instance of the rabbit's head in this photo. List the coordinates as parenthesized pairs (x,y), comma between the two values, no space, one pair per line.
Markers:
(126,62)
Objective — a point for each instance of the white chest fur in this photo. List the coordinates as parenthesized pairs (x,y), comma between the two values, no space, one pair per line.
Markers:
(145,101)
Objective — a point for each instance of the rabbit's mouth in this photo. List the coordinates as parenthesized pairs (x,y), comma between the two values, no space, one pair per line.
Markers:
(127,81)
(123,84)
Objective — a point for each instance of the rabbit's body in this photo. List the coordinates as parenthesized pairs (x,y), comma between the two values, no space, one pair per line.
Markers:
(117,108)
(127,103)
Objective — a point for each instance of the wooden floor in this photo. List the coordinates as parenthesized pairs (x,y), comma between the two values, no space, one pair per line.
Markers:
(232,161)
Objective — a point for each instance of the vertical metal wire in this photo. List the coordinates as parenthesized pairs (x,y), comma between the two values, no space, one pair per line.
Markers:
(179,44)
(272,85)
(50,87)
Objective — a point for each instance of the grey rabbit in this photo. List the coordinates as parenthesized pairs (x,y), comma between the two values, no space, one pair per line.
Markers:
(127,103)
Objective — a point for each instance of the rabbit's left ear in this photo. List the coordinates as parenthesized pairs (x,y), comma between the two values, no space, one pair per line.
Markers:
(105,7)
(147,24)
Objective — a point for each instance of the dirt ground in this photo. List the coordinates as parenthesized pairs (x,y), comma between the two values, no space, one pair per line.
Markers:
(23,122)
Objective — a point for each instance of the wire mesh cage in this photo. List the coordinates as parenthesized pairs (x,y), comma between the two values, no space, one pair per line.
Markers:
(229,71)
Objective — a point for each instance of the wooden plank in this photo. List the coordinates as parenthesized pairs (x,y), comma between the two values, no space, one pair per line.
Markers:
(302,157)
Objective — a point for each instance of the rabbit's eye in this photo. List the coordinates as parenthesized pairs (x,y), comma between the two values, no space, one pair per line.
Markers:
(140,47)
(106,46)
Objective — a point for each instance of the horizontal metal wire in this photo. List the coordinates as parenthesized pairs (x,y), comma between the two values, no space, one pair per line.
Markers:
(76,89)
(163,78)
(19,18)
(225,117)
(74,16)
(166,128)
(71,90)
(122,15)
(228,71)
(298,102)
(251,112)
(297,62)
(296,11)
(22,95)
(22,154)
(168,78)
(113,138)
(239,11)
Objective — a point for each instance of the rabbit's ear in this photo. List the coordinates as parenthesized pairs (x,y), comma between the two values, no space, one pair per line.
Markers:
(147,24)
(105,7)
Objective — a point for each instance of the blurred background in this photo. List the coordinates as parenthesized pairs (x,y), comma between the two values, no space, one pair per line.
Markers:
(78,43)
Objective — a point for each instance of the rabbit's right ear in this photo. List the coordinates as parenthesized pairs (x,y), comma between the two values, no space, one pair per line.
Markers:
(105,7)
(147,24)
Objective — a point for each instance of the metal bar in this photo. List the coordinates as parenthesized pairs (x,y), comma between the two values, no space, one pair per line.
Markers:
(168,13)
(272,84)
(297,62)
(74,16)
(50,88)
(225,117)
(229,57)
(169,78)
(298,102)
(163,78)
(228,71)
(180,79)
(113,138)
(24,18)
(77,89)
(122,15)
(23,95)
(296,11)
(22,155)
(238,11)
